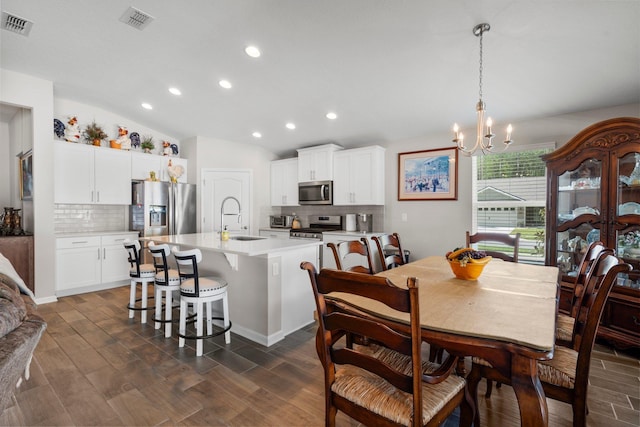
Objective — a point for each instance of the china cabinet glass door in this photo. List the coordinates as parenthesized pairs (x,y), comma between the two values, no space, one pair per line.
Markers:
(627,220)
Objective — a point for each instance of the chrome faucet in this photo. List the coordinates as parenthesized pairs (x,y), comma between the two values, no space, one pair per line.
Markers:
(222,212)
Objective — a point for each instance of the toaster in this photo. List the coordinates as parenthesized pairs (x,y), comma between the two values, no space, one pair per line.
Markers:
(280,221)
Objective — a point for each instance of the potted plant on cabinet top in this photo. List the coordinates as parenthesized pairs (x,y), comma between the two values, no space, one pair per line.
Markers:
(147,144)
(94,134)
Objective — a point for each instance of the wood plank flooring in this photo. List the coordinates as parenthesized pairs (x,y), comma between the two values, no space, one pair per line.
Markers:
(94,366)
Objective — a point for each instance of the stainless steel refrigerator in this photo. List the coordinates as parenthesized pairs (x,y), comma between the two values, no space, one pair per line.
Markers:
(161,208)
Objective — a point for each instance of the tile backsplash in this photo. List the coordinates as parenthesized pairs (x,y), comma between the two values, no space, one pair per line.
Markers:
(90,218)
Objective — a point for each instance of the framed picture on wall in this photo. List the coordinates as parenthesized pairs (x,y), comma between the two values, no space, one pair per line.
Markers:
(428,175)
(26,176)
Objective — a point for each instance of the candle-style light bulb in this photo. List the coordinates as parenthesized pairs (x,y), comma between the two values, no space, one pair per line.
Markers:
(509,130)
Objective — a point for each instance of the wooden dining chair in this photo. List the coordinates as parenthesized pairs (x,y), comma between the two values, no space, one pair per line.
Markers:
(566,322)
(500,238)
(350,249)
(566,376)
(390,243)
(375,390)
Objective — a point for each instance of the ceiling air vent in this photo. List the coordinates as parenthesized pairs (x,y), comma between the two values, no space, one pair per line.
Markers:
(136,18)
(15,24)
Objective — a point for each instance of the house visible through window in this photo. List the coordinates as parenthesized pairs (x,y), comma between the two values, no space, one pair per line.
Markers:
(509,196)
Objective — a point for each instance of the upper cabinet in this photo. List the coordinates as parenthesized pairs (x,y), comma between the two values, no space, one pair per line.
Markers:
(142,164)
(316,163)
(84,174)
(284,182)
(358,177)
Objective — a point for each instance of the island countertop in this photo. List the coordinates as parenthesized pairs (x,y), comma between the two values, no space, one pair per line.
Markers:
(212,242)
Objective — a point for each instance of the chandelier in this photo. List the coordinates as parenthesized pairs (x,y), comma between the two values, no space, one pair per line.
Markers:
(484,137)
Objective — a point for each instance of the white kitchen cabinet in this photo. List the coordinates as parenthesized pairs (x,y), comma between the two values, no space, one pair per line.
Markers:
(85,263)
(358,176)
(316,163)
(84,174)
(276,234)
(284,182)
(142,164)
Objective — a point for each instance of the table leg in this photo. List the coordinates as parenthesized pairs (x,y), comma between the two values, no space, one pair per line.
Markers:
(528,389)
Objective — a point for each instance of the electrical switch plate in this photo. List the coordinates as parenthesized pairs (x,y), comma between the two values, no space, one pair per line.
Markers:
(404,217)
(275,269)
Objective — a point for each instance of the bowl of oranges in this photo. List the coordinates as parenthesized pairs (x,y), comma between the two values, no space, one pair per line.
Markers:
(467,263)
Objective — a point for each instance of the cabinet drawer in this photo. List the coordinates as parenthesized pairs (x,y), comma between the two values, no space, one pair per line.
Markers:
(117,239)
(77,242)
(624,317)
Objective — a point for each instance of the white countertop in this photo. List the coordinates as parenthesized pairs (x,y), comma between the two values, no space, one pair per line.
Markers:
(212,242)
(95,233)
(354,233)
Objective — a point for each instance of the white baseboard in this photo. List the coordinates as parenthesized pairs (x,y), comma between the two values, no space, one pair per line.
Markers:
(93,288)
(45,300)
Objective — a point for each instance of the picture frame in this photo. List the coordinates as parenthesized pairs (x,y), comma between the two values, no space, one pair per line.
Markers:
(26,176)
(428,174)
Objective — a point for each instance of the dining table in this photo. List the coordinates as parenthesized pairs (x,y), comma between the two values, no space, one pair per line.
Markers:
(507,317)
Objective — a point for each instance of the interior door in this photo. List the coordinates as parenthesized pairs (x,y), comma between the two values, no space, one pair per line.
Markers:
(217,185)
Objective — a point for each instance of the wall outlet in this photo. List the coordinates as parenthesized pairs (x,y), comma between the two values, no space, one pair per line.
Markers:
(404,217)
(275,269)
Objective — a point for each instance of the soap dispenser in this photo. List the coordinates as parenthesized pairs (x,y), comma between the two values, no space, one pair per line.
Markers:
(224,236)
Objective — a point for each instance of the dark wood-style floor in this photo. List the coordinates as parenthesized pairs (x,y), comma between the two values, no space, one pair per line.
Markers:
(94,366)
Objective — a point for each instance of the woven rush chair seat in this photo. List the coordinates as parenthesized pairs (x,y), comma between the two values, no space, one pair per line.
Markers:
(564,327)
(377,395)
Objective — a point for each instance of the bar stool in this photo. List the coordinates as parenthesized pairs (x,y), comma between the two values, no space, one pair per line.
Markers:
(139,273)
(167,280)
(197,291)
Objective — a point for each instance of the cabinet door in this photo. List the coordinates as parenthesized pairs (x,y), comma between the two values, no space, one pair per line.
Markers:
(142,164)
(342,188)
(367,177)
(113,177)
(323,165)
(306,166)
(73,173)
(115,266)
(284,182)
(78,262)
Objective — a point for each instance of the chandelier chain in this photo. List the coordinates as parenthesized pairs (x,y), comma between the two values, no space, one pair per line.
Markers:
(480,68)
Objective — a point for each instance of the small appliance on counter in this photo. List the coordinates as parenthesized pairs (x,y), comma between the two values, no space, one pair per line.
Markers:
(364,222)
(350,222)
(281,221)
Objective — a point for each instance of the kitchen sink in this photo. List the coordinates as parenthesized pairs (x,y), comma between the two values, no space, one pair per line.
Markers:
(247,238)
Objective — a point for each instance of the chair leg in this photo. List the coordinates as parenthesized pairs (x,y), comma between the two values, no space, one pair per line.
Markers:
(473,379)
(158,297)
(487,394)
(225,315)
(168,313)
(182,328)
(143,303)
(209,319)
(579,413)
(199,326)
(132,298)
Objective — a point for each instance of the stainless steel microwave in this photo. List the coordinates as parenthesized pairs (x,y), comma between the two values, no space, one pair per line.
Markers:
(315,193)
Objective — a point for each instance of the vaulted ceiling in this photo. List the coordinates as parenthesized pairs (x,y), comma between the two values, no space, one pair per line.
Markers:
(389,69)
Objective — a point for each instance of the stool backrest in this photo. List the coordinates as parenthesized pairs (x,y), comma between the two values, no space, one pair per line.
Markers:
(133,250)
(160,253)
(188,267)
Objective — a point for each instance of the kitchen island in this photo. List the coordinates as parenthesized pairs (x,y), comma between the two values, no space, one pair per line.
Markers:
(269,295)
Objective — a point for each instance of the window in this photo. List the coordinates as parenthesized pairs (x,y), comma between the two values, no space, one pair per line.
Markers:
(510,195)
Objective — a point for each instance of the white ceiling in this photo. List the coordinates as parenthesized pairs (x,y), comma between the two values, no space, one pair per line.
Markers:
(390,69)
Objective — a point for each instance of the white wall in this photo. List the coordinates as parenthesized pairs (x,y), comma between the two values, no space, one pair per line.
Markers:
(215,153)
(6,173)
(435,227)
(109,121)
(36,94)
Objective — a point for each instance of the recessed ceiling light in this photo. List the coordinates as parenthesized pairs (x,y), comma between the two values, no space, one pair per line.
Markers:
(225,84)
(252,51)
(290,126)
(331,115)
(175,91)
(147,106)
(257,135)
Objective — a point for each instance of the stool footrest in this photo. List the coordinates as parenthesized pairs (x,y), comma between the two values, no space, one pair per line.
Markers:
(130,307)
(199,337)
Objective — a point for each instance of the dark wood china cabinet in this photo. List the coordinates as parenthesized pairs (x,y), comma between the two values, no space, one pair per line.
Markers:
(594,194)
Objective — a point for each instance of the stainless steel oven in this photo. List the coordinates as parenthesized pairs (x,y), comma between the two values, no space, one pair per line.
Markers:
(315,193)
(317,225)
